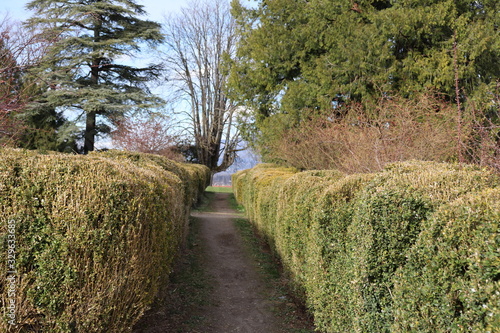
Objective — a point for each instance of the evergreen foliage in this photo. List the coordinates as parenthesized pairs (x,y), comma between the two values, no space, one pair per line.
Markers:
(319,55)
(82,69)
(308,54)
(47,129)
(95,235)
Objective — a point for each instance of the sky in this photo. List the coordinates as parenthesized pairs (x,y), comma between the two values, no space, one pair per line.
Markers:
(154,8)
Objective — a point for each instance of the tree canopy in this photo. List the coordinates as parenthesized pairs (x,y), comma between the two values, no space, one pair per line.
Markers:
(82,67)
(299,59)
(311,54)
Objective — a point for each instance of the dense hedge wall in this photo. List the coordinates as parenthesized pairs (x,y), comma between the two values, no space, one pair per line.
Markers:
(95,236)
(363,250)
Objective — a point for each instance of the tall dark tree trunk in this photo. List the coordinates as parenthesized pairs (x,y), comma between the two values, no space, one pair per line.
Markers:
(197,41)
(90,132)
(90,123)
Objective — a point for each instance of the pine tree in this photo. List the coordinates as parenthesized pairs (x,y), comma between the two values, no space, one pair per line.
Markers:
(82,67)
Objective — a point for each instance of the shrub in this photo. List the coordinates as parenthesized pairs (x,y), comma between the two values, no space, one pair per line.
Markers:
(451,282)
(296,201)
(256,188)
(95,238)
(328,287)
(388,220)
(343,238)
(195,178)
(354,139)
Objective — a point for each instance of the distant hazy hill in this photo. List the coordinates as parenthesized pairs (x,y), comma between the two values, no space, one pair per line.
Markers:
(246,160)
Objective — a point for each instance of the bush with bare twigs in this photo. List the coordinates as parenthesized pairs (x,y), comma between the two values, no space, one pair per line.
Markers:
(395,130)
(151,135)
(483,144)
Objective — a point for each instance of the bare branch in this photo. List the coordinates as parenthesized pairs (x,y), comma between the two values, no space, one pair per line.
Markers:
(20,50)
(197,40)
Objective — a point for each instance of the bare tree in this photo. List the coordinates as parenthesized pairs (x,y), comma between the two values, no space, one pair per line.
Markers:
(153,135)
(20,50)
(197,41)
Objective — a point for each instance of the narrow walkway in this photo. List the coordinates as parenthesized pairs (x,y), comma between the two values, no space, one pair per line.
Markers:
(240,304)
(217,288)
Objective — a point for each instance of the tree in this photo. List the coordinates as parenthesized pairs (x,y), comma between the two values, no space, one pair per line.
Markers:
(198,40)
(305,54)
(81,67)
(20,50)
(296,56)
(152,135)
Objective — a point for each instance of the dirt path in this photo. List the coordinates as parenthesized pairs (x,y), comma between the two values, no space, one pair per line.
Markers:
(239,299)
(240,303)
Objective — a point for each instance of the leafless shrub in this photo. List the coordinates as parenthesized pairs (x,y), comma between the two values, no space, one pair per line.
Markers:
(483,145)
(395,130)
(153,135)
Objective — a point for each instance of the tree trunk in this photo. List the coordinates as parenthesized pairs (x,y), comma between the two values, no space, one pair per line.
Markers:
(90,132)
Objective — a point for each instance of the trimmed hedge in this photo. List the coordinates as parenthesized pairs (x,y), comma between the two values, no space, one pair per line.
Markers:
(328,287)
(388,220)
(346,241)
(95,235)
(193,181)
(452,278)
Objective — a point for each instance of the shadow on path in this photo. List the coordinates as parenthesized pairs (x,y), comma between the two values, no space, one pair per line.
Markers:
(216,287)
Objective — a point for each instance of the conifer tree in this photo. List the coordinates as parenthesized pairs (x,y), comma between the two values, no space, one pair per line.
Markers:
(82,69)
(296,58)
(304,54)
(198,40)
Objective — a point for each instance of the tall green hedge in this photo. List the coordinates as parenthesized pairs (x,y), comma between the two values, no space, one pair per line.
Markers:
(348,241)
(95,236)
(452,278)
(388,221)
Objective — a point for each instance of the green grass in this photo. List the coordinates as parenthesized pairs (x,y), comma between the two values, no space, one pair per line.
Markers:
(206,199)
(235,205)
(258,250)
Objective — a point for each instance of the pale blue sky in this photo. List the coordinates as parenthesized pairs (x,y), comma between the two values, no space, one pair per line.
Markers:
(154,8)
